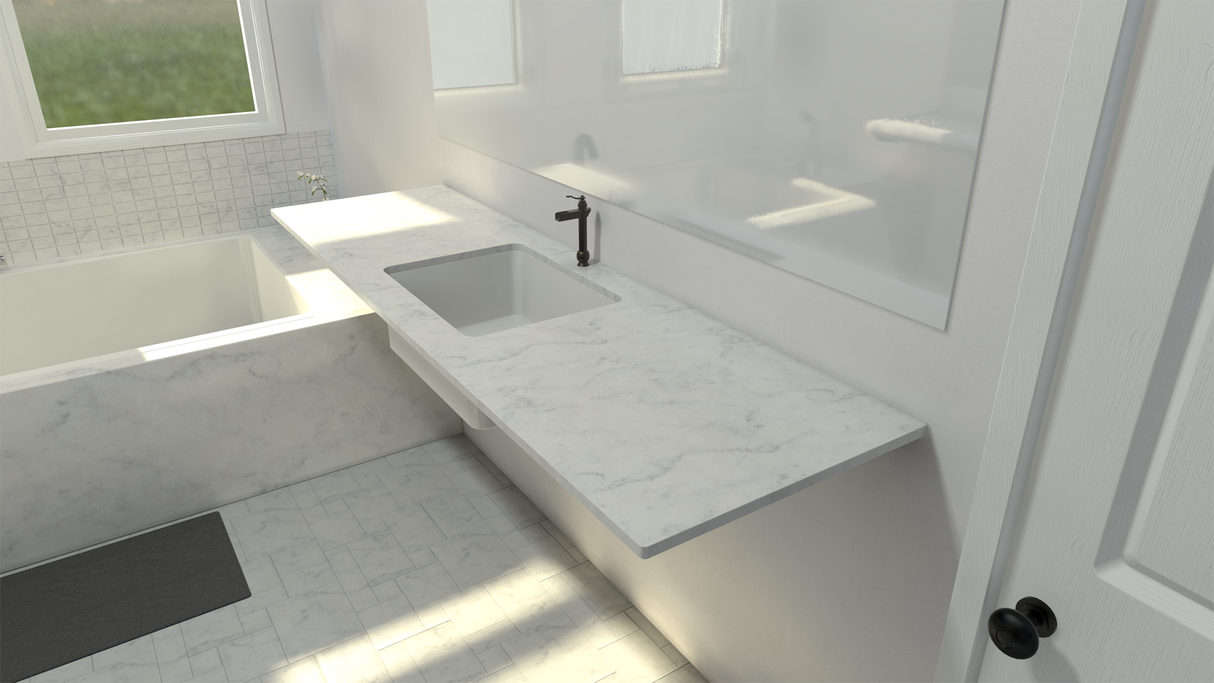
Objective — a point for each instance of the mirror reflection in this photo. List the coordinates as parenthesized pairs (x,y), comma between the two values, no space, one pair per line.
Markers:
(835,139)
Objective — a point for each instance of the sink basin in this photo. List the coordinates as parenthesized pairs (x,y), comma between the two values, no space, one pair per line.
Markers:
(499,288)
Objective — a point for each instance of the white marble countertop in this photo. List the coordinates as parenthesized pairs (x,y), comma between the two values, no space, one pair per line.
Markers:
(662,421)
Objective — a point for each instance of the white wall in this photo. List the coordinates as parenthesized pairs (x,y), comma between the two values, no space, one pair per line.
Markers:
(875,560)
(295,56)
(375,57)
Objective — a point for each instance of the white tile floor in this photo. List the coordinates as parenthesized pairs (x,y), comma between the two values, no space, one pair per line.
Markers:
(427,566)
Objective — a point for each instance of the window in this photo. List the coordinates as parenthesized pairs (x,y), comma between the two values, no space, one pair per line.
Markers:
(671,35)
(96,75)
(471,42)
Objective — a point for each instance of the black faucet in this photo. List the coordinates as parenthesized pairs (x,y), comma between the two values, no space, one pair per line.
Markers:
(580,213)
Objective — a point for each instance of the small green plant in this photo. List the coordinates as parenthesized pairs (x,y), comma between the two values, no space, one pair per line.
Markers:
(320,184)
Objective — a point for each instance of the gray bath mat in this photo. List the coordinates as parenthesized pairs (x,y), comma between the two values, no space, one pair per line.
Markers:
(71,608)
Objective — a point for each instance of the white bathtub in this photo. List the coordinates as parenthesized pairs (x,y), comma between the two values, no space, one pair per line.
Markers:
(76,310)
(141,387)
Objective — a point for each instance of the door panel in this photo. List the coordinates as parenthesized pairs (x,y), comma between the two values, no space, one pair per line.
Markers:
(1172,536)
(1117,530)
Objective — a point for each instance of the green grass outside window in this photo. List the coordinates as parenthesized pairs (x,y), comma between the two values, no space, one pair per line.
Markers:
(109,61)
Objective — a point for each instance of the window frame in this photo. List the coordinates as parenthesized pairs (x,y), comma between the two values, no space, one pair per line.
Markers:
(657,85)
(516,62)
(39,141)
(722,31)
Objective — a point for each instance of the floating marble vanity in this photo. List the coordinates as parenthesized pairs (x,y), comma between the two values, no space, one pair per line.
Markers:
(663,422)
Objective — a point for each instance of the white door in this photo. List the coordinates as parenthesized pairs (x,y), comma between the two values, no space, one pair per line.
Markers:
(1116,529)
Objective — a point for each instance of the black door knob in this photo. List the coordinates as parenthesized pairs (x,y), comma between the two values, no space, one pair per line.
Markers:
(1018,632)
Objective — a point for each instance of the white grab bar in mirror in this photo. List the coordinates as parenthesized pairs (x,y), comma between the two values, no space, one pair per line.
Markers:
(893,130)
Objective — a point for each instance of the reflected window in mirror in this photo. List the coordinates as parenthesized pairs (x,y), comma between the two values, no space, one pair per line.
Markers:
(471,43)
(661,36)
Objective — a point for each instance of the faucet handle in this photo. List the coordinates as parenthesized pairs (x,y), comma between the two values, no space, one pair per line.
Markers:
(582,198)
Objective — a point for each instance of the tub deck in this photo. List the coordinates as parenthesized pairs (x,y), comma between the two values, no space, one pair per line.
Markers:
(323,299)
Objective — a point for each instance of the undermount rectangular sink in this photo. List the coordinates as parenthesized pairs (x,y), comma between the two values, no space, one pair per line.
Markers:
(489,290)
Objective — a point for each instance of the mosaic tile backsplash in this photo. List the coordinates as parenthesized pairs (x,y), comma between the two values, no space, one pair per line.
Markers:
(87,203)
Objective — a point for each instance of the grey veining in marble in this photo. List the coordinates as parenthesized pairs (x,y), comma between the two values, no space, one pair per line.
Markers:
(92,458)
(96,449)
(663,421)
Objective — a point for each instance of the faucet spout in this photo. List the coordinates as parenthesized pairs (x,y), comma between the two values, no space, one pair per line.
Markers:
(580,213)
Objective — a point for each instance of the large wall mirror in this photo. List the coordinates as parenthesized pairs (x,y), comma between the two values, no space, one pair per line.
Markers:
(835,139)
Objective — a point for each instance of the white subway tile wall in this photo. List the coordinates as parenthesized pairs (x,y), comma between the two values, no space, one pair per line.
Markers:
(87,203)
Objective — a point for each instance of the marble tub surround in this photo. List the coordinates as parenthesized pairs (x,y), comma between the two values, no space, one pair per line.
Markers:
(327,297)
(98,448)
(358,576)
(662,421)
(88,459)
